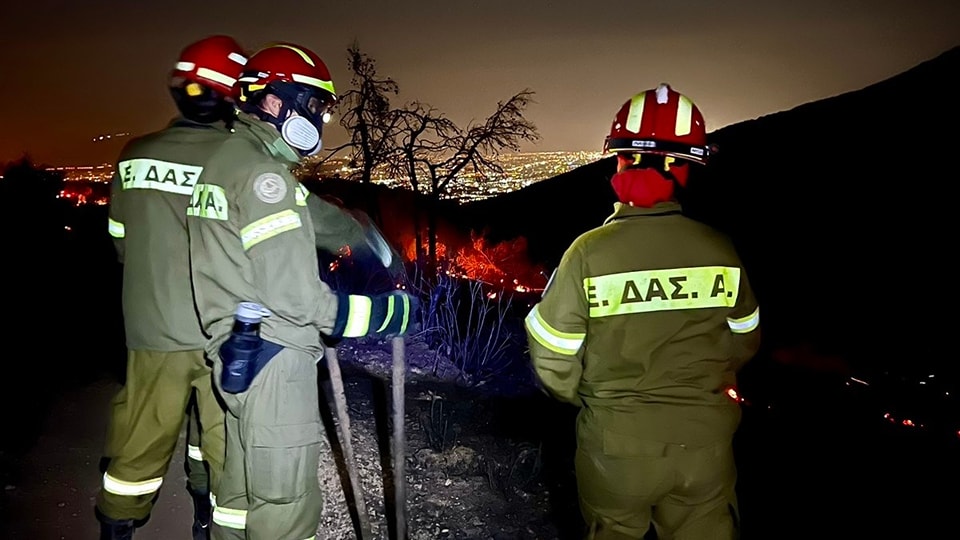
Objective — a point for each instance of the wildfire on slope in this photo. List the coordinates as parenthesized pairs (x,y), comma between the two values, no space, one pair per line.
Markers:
(501,265)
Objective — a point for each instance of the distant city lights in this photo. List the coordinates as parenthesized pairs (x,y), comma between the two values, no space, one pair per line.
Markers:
(109,136)
(519,170)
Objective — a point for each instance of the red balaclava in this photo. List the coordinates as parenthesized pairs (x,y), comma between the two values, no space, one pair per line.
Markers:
(647,179)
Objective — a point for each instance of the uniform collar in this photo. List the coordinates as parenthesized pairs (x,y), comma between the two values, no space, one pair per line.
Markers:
(622,211)
(267,134)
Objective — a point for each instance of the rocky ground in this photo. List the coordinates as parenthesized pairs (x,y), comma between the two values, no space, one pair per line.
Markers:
(465,477)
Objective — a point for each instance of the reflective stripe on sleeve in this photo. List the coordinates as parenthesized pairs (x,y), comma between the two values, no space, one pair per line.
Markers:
(745,325)
(406,315)
(116,228)
(559,342)
(230,518)
(301,194)
(358,316)
(268,227)
(131,489)
(386,320)
(194,453)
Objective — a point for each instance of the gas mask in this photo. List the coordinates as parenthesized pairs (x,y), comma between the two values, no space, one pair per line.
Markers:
(301,134)
(304,111)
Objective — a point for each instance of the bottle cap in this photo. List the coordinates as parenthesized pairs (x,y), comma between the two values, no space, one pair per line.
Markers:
(251,312)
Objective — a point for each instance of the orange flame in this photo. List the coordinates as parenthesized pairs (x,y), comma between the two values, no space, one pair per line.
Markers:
(503,263)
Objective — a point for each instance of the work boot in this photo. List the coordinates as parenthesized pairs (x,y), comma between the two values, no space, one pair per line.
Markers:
(115,529)
(201,515)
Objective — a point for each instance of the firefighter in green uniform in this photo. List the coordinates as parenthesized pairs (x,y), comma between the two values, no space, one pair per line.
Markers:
(251,241)
(644,326)
(166,368)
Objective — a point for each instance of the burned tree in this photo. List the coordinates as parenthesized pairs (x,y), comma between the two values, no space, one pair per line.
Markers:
(435,153)
(419,143)
(423,135)
(367,116)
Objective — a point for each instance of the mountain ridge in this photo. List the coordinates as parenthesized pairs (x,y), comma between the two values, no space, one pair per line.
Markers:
(829,203)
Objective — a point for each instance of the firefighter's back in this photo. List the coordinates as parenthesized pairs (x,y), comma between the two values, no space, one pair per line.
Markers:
(660,287)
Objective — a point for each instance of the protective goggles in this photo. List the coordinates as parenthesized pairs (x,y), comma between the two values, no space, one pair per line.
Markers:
(313,103)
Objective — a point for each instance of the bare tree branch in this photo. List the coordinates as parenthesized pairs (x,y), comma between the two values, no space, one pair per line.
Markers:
(367,114)
(420,144)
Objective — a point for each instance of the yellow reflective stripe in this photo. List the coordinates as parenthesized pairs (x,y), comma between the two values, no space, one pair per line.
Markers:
(684,122)
(358,316)
(228,517)
(306,57)
(559,342)
(386,320)
(121,487)
(208,201)
(745,325)
(406,314)
(662,290)
(145,173)
(268,227)
(194,453)
(215,76)
(301,194)
(115,228)
(635,115)
(313,81)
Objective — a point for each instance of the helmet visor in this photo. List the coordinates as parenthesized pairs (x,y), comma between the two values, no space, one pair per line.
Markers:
(308,101)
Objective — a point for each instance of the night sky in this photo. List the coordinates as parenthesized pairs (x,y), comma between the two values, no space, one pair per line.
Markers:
(73,70)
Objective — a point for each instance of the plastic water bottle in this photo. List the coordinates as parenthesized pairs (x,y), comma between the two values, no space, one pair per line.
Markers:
(239,352)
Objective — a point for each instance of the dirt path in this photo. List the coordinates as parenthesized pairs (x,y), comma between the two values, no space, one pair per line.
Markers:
(59,478)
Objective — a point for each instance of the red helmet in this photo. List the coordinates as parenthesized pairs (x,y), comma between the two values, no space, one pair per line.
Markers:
(281,63)
(302,82)
(214,62)
(659,121)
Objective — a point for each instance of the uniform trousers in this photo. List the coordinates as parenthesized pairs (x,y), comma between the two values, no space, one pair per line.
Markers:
(146,420)
(270,489)
(627,482)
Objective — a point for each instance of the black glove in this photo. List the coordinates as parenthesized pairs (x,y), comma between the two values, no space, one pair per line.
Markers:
(381,315)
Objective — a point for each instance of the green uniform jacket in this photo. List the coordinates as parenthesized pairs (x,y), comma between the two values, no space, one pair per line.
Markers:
(645,324)
(336,228)
(154,180)
(252,239)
